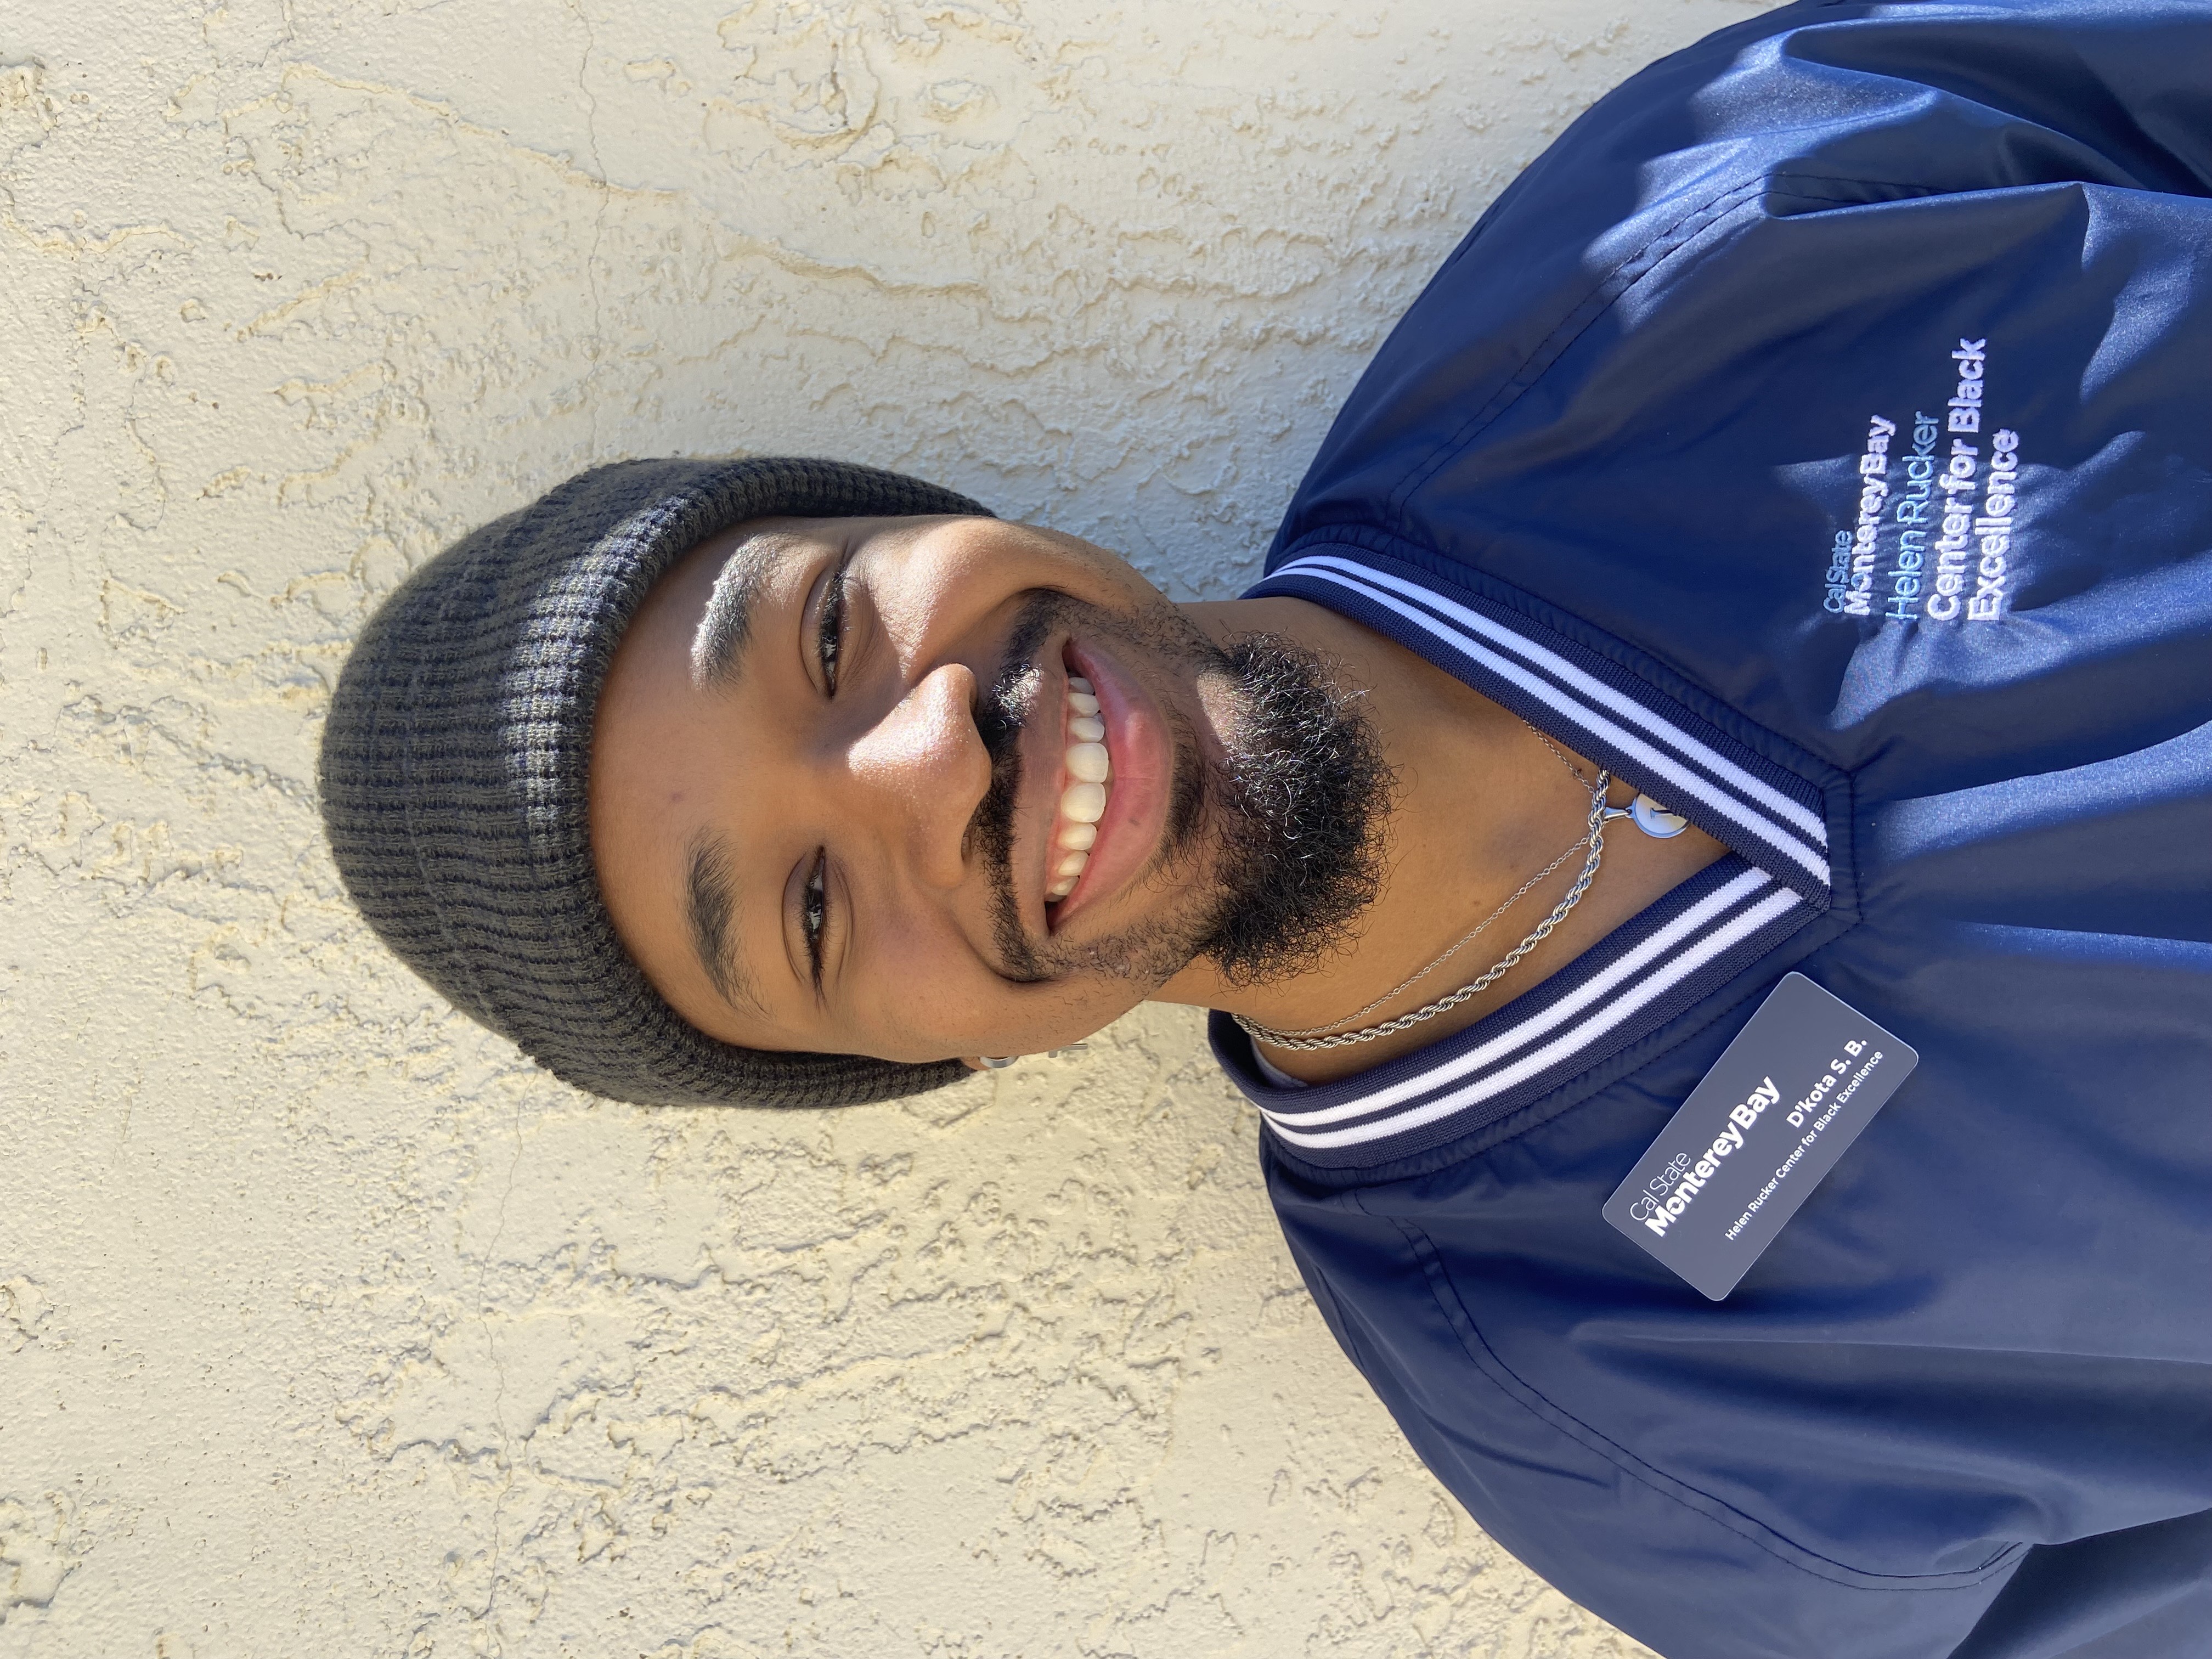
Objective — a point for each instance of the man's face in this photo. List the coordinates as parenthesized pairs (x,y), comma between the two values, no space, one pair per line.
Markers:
(837,800)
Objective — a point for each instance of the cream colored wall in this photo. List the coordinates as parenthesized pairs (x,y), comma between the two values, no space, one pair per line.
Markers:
(328,1327)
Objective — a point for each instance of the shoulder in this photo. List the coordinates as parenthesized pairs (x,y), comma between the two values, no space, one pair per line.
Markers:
(1674,384)
(1813,113)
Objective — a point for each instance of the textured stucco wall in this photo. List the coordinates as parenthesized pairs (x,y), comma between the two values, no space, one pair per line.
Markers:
(328,1327)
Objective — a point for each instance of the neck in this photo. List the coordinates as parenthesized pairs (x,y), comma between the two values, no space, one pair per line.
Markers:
(1480,806)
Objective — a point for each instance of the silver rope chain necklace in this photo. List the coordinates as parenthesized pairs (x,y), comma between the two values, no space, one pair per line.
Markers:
(1647,815)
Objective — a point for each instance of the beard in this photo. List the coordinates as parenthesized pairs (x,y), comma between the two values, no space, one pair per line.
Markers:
(1278,839)
(1299,805)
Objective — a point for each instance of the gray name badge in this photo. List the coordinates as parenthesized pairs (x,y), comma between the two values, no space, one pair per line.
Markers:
(1753,1139)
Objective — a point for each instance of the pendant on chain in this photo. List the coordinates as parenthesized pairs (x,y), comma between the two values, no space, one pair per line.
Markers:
(1648,816)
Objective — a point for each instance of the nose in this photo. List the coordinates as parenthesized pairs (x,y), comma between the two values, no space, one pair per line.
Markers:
(921,770)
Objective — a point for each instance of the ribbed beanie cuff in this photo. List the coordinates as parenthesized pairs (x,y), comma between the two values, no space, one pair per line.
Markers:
(454,762)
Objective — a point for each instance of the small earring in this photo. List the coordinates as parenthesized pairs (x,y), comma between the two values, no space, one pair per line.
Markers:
(996,1062)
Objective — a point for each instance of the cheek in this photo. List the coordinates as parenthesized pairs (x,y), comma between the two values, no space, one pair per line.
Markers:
(958,580)
(935,999)
(921,993)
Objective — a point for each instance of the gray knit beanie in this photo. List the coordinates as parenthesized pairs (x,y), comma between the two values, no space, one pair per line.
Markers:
(453,768)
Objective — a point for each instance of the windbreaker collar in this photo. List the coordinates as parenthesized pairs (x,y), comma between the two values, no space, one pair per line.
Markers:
(1656,967)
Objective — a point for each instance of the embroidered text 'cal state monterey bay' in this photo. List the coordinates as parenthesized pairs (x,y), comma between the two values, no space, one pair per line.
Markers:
(1755,1137)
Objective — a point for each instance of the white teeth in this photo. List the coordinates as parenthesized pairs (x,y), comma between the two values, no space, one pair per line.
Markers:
(1084,801)
(1086,763)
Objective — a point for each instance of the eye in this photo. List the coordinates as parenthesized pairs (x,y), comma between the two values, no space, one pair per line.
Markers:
(814,907)
(832,641)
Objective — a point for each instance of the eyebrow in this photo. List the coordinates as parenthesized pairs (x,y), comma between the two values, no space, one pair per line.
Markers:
(710,906)
(718,644)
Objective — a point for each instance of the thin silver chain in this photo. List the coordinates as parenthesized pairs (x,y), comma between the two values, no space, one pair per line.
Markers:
(1560,755)
(1593,838)
(1391,995)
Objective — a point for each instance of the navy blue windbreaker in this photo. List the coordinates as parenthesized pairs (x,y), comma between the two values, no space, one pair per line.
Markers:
(1819,435)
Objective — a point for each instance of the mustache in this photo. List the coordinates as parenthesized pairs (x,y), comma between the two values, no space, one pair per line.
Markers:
(1003,712)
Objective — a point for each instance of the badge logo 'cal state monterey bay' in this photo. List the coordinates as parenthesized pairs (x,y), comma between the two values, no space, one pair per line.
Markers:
(1783,1103)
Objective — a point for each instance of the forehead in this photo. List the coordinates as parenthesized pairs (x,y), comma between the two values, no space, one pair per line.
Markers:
(686,721)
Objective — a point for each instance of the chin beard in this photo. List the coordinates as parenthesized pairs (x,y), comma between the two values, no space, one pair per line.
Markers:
(1297,810)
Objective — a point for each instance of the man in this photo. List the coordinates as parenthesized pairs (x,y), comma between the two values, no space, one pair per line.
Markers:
(1779,542)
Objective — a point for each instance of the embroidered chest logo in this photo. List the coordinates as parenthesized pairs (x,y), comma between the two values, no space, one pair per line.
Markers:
(1933,537)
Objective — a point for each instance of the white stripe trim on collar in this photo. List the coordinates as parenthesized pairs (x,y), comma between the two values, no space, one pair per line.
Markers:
(1726,788)
(1750,921)
(1576,679)
(1702,914)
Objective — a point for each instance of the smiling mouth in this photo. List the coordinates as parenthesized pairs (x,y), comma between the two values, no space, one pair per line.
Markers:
(1088,772)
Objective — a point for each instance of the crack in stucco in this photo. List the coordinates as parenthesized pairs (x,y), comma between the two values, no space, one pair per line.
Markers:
(598,217)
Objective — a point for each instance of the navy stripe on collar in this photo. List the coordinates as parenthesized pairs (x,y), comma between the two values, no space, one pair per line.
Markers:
(1652,968)
(1772,818)
(1657,965)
